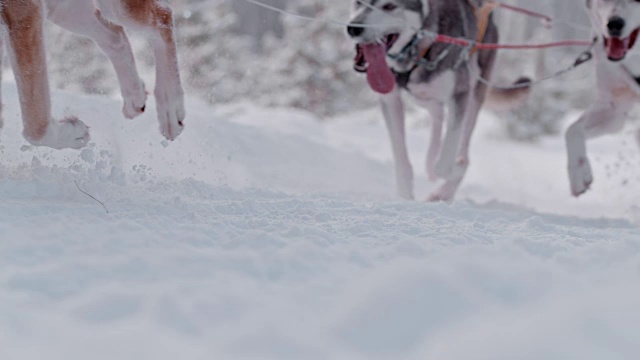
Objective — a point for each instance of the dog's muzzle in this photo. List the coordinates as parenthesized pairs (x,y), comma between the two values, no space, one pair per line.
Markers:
(615,26)
(618,47)
(360,63)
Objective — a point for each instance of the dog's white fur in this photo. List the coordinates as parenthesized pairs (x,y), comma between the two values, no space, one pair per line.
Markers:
(104,22)
(617,90)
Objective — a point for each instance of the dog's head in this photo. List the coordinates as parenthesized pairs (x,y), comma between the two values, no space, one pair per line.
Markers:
(393,22)
(618,21)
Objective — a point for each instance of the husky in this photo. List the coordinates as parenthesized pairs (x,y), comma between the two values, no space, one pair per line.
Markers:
(446,78)
(617,63)
(104,22)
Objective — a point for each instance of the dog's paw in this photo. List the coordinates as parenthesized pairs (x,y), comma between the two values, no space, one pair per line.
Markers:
(434,197)
(580,177)
(441,195)
(69,133)
(134,102)
(72,133)
(445,193)
(171,114)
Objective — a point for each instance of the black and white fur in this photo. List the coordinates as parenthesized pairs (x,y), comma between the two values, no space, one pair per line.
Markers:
(452,84)
(617,87)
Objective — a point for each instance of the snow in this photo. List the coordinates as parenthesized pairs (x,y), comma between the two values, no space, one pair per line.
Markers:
(266,234)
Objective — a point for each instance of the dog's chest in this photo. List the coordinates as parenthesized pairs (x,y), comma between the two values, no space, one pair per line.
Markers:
(440,87)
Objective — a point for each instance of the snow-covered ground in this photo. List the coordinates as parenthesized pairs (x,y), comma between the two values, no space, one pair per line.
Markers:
(266,234)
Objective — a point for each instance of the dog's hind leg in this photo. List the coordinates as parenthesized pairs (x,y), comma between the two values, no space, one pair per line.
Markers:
(168,91)
(23,20)
(602,118)
(447,168)
(82,18)
(436,109)
(484,66)
(471,117)
(445,165)
(393,112)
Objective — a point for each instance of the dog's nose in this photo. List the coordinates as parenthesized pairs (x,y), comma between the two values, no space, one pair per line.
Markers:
(355,31)
(615,26)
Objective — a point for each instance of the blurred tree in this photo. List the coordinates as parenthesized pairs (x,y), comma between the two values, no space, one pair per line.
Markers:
(257,22)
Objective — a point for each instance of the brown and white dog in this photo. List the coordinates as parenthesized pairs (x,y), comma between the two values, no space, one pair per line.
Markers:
(104,22)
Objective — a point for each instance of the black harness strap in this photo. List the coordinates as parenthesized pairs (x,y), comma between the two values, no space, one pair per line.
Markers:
(402,78)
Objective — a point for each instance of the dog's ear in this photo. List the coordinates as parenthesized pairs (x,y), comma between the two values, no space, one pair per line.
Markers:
(589,4)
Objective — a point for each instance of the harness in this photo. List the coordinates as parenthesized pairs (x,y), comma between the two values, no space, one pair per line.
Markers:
(420,57)
(483,15)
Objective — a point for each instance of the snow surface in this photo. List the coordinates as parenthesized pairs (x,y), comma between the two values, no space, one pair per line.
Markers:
(267,234)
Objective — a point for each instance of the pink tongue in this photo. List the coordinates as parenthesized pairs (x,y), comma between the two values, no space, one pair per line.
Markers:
(379,75)
(617,48)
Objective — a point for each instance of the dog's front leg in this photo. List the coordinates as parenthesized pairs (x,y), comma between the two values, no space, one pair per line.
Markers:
(602,118)
(393,112)
(23,20)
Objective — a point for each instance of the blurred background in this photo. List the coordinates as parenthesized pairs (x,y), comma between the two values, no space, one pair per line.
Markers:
(234,51)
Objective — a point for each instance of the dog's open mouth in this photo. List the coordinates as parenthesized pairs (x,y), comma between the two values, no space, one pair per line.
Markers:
(372,59)
(617,47)
(360,62)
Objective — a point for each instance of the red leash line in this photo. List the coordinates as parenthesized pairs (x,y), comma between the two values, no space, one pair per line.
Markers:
(481,46)
(534,46)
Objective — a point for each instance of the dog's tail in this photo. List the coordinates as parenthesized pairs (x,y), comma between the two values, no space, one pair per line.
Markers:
(503,99)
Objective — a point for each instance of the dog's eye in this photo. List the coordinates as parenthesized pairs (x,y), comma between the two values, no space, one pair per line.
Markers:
(391,7)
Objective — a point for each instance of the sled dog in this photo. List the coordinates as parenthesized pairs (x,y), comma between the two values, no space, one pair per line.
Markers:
(617,63)
(444,78)
(104,22)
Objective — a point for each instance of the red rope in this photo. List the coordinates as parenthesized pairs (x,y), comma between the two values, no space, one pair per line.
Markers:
(482,46)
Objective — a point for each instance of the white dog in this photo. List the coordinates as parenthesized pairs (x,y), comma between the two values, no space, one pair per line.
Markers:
(617,23)
(102,21)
